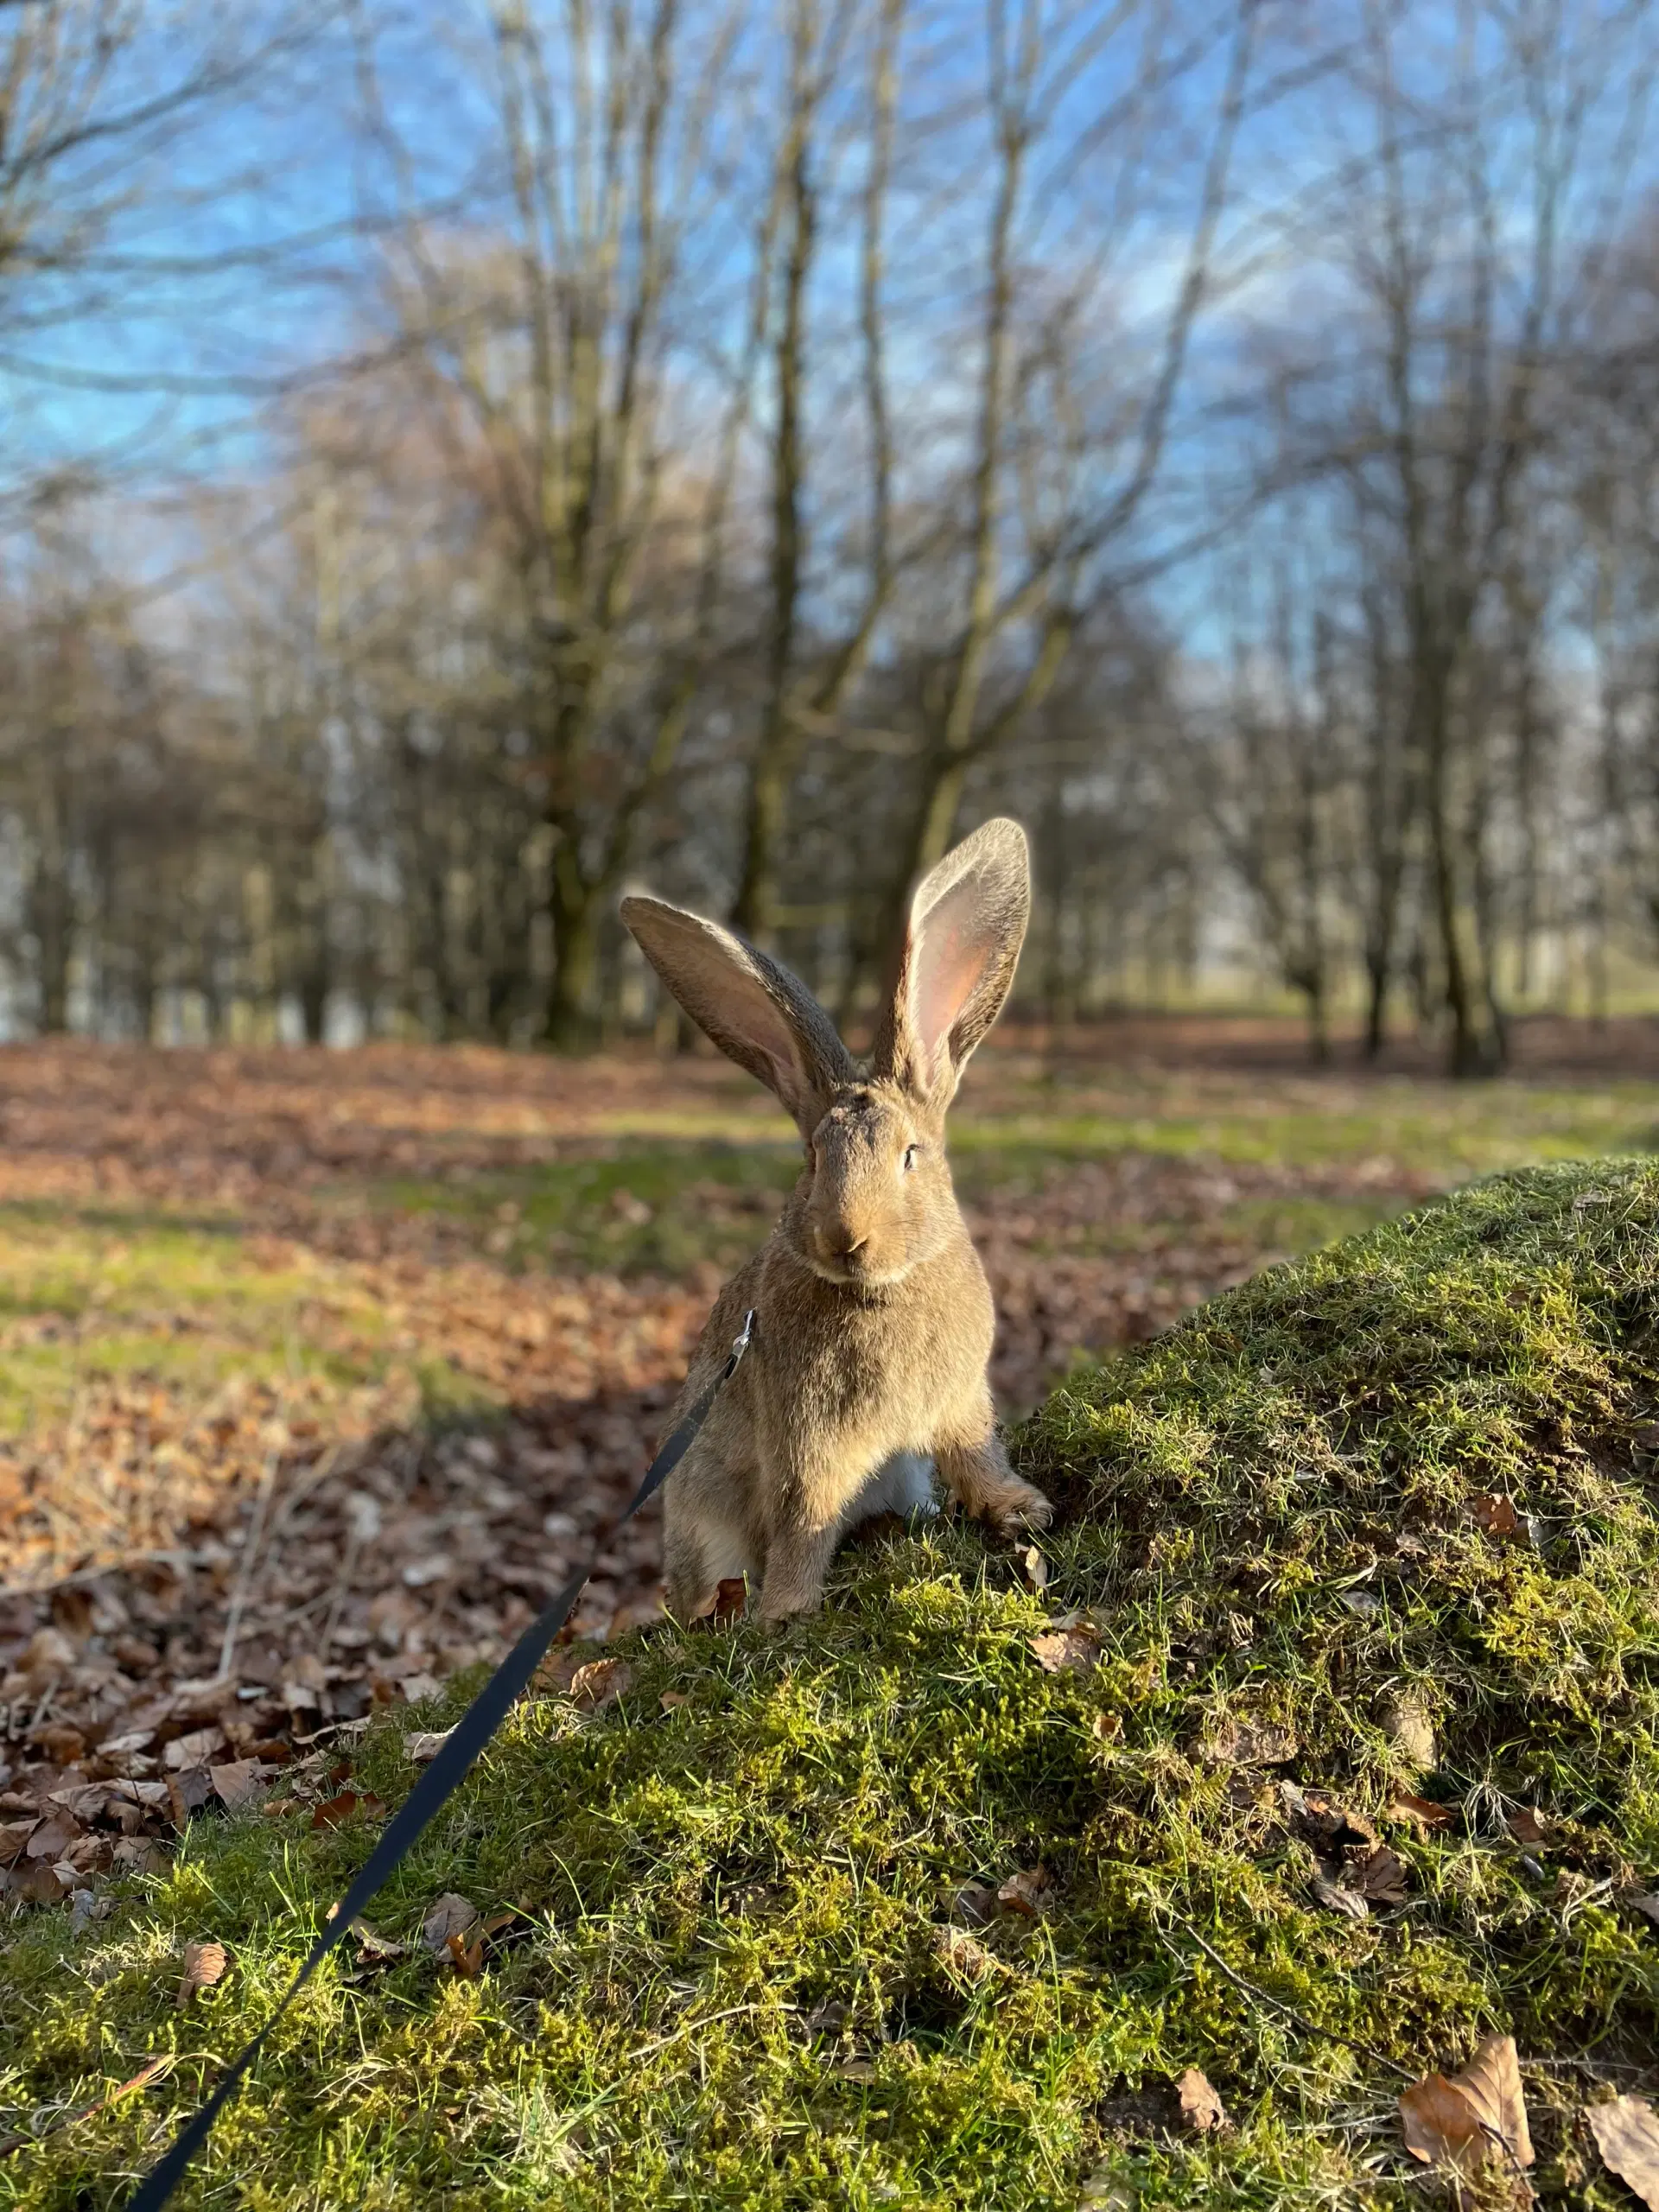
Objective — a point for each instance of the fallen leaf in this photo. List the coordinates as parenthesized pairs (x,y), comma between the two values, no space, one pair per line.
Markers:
(1066,1650)
(1029,1893)
(1646,1903)
(1106,1727)
(374,1949)
(1365,1602)
(1033,1567)
(974,1903)
(333,1810)
(468,1959)
(1329,1826)
(451,1914)
(600,1684)
(1201,2107)
(241,1783)
(1380,1877)
(1493,1515)
(54,1837)
(1527,1827)
(188,1792)
(423,1745)
(1422,1812)
(1627,2136)
(47,1652)
(856,2069)
(200,1748)
(963,1954)
(1250,1744)
(204,1965)
(14,1834)
(731,1597)
(1473,2122)
(672,1700)
(1340,1900)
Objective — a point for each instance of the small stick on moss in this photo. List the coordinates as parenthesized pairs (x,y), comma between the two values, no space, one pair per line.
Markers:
(1277,2003)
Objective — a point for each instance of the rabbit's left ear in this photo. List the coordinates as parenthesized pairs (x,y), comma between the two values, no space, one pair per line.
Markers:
(966,923)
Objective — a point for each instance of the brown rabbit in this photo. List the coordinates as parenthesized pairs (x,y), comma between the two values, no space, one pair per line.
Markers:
(873,1318)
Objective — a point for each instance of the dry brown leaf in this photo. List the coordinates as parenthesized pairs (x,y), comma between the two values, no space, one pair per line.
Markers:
(1070,1650)
(1340,1900)
(1329,1826)
(188,1792)
(333,1810)
(200,1748)
(1201,2107)
(1265,1743)
(53,1838)
(1028,1894)
(467,1958)
(1422,1812)
(14,1834)
(204,1965)
(449,1915)
(600,1683)
(1381,1876)
(731,1597)
(1493,1515)
(1528,1827)
(963,1954)
(973,1903)
(374,1949)
(1033,1567)
(1627,2135)
(423,1745)
(1475,2121)
(242,1783)
(672,1700)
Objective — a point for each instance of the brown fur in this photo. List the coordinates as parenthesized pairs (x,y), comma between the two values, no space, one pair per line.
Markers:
(874,1320)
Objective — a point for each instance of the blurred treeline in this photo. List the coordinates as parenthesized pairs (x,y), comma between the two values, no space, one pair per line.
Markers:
(738,444)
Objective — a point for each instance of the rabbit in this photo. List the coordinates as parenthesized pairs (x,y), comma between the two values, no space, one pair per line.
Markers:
(873,1318)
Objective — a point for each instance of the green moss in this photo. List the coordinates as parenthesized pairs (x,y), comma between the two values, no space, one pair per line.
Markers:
(727,1991)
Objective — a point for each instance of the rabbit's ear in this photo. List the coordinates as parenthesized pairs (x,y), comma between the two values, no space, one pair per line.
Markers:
(966,923)
(758,1013)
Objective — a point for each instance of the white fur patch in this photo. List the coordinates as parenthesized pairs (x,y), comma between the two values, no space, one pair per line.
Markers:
(903,1484)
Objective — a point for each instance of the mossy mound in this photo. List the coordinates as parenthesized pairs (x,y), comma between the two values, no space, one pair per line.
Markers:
(1404,1486)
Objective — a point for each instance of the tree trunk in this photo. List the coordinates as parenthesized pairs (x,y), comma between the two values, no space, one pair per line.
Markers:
(571,1025)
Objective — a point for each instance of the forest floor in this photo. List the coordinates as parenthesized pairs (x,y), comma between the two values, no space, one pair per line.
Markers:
(317,1370)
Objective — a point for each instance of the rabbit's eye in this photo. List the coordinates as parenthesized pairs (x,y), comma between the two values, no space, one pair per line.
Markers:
(911,1151)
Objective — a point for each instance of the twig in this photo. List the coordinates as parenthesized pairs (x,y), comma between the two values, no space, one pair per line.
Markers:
(245,1571)
(1277,2003)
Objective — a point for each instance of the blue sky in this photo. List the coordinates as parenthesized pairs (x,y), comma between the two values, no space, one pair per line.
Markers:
(239,266)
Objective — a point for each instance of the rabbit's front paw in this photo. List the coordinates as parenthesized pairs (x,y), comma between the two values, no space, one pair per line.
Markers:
(1019,1507)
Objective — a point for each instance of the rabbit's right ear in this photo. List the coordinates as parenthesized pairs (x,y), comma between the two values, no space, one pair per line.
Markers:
(758,1013)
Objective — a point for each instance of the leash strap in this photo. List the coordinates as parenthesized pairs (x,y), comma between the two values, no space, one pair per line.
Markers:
(435,1787)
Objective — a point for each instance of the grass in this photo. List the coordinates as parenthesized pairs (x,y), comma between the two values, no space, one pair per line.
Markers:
(728,1989)
(662,1190)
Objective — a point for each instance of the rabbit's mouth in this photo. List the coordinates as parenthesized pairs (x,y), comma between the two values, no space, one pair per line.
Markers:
(860,1267)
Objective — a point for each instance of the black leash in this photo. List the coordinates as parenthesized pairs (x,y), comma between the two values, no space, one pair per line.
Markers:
(434,1789)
